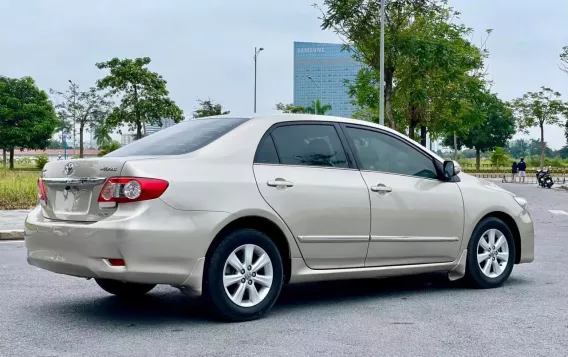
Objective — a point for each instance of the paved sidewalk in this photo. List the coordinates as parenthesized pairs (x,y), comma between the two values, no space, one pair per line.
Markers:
(12,224)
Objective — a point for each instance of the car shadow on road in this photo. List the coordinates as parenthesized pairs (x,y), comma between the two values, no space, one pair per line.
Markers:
(168,306)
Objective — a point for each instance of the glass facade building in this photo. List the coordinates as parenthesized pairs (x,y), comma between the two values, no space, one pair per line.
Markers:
(320,71)
(166,123)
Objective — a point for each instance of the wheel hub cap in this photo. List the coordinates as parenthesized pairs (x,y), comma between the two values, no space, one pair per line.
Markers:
(493,253)
(248,275)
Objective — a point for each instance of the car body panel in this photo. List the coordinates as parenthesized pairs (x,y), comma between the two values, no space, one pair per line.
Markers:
(311,208)
(420,221)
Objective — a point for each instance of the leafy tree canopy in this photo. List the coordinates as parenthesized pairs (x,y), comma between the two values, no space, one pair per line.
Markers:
(27,117)
(81,108)
(496,128)
(208,108)
(536,109)
(290,108)
(317,108)
(144,99)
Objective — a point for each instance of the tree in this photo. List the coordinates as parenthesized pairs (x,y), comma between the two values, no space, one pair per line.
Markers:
(358,23)
(438,73)
(290,108)
(535,109)
(519,148)
(499,157)
(143,95)
(564,60)
(495,130)
(101,128)
(317,108)
(80,108)
(27,117)
(109,147)
(208,108)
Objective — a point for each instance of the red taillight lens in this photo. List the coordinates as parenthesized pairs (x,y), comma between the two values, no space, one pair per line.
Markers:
(132,189)
(117,262)
(41,194)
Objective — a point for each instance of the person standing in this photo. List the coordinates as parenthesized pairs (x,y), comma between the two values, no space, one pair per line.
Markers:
(522,167)
(515,170)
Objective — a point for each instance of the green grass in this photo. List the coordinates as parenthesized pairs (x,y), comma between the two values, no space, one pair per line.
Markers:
(18,189)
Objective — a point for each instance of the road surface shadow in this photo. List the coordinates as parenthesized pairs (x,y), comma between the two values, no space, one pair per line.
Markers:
(168,306)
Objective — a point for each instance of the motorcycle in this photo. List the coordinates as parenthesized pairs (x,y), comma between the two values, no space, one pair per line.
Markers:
(543,177)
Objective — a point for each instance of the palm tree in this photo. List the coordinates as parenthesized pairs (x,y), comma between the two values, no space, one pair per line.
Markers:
(317,108)
(108,147)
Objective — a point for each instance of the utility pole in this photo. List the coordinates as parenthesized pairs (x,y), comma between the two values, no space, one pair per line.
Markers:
(382,67)
(256,52)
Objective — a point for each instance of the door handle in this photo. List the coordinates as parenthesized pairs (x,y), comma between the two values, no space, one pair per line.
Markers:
(280,183)
(381,188)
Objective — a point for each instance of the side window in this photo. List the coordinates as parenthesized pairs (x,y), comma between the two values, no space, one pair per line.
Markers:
(382,152)
(309,145)
(266,153)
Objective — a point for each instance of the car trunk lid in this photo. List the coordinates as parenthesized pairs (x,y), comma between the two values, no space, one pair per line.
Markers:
(72,188)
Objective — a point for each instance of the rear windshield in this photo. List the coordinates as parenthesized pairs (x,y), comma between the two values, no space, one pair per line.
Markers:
(181,138)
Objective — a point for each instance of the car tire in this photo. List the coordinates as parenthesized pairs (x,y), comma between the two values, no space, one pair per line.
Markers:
(224,299)
(478,274)
(123,289)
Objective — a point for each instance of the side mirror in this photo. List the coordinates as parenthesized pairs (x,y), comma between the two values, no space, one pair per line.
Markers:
(451,169)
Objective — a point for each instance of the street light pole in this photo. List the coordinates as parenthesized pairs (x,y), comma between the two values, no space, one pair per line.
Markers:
(317,86)
(382,67)
(256,52)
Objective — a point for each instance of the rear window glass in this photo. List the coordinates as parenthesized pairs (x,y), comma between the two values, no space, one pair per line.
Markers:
(181,138)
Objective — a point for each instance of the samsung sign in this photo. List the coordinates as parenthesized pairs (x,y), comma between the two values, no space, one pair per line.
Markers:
(311,50)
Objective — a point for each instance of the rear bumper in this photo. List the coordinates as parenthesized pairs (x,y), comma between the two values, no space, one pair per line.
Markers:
(526,230)
(160,245)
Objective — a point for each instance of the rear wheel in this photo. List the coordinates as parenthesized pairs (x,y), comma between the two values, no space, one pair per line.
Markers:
(122,289)
(491,254)
(244,276)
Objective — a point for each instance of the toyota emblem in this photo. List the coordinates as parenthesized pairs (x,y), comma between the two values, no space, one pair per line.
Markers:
(68,169)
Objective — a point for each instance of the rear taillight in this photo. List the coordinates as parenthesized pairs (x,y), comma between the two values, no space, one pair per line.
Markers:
(132,189)
(41,193)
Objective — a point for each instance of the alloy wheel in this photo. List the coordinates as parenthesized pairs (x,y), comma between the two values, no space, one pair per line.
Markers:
(248,275)
(492,253)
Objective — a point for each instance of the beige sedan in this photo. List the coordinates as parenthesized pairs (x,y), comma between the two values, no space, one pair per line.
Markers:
(232,208)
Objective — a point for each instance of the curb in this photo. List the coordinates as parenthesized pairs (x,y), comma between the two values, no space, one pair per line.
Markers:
(14,234)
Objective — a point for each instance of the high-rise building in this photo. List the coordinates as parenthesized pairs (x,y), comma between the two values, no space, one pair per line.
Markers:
(320,72)
(166,123)
(127,138)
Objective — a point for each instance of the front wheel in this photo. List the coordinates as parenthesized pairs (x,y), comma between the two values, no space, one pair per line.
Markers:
(491,254)
(244,276)
(122,289)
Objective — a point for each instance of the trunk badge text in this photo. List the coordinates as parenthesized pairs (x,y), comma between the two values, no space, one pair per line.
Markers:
(68,169)
(106,168)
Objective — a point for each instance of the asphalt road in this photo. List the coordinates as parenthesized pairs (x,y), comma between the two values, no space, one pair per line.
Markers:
(42,314)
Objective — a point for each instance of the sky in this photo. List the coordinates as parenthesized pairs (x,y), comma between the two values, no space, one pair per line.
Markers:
(204,49)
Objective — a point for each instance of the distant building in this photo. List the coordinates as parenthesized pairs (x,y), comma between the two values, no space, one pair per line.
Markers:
(127,138)
(53,154)
(166,123)
(320,72)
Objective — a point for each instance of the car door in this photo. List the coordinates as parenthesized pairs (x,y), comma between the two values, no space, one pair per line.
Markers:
(304,173)
(416,218)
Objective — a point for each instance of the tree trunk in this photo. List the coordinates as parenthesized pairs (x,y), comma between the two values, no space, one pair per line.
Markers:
(455,146)
(541,145)
(4,158)
(12,159)
(138,130)
(423,132)
(81,130)
(477,158)
(389,74)
(137,113)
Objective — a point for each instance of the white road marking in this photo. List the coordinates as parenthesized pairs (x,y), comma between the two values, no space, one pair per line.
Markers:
(558,212)
(11,241)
